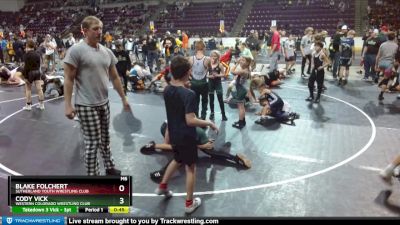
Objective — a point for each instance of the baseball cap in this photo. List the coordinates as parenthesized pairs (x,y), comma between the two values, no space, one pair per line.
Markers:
(376,31)
(344,27)
(384,28)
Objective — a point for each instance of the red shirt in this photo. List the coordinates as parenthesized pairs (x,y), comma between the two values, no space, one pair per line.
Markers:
(226,57)
(276,39)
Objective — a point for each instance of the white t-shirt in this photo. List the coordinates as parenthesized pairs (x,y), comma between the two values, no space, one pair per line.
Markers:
(50,46)
(290,46)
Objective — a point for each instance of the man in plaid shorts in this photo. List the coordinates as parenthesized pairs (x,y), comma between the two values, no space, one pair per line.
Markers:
(90,65)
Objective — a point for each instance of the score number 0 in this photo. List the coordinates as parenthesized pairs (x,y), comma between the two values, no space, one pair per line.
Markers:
(121,188)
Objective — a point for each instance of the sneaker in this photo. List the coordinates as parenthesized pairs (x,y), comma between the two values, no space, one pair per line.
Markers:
(113,172)
(344,82)
(398,96)
(27,107)
(156,176)
(148,148)
(376,80)
(194,206)
(387,178)
(295,115)
(340,81)
(317,100)
(380,98)
(310,99)
(41,106)
(242,160)
(224,117)
(365,79)
(167,193)
(211,116)
(239,125)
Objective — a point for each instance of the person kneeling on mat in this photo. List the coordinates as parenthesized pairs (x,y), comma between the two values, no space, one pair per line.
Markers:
(204,144)
(274,106)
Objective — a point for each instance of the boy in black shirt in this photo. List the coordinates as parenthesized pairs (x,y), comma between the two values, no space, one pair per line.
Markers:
(124,63)
(180,104)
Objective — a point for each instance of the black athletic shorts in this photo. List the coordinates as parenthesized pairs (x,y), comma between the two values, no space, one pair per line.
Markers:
(186,152)
(34,75)
(290,59)
(346,63)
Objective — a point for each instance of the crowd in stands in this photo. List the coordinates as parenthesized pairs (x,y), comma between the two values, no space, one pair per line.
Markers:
(384,13)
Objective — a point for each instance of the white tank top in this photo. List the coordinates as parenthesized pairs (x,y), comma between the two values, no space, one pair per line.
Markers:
(199,71)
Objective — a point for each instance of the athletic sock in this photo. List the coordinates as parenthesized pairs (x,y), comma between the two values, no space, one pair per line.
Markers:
(189,202)
(163,186)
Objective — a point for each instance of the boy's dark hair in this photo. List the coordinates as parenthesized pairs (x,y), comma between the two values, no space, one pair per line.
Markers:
(30,43)
(318,43)
(179,67)
(391,35)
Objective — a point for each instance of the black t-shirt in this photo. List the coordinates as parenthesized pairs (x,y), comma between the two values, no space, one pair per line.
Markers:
(152,44)
(179,101)
(373,45)
(336,42)
(252,43)
(124,62)
(32,62)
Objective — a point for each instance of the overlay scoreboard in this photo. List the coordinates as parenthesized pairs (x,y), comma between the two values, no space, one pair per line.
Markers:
(63,194)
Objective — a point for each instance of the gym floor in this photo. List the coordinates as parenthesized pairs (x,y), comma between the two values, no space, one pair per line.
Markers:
(327,164)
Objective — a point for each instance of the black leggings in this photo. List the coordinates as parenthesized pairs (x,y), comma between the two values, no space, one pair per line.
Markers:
(201,90)
(220,155)
(220,101)
(316,75)
(303,63)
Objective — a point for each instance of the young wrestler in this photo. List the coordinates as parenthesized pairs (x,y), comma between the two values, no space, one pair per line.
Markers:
(289,53)
(137,75)
(180,104)
(164,76)
(319,61)
(271,79)
(239,89)
(215,73)
(274,106)
(236,68)
(272,103)
(225,60)
(347,56)
(12,77)
(204,144)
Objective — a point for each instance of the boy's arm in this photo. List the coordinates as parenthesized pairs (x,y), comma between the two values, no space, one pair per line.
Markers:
(193,121)
(207,146)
